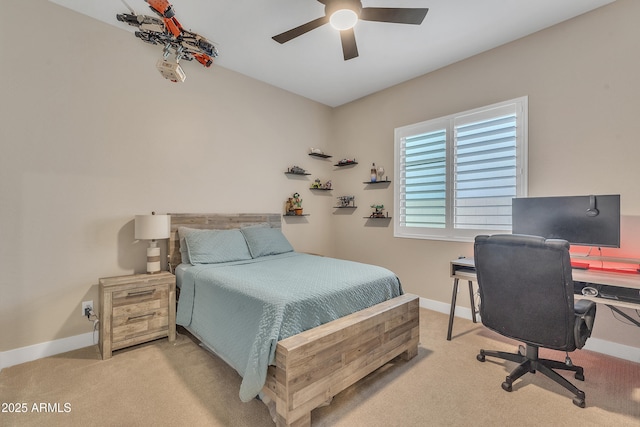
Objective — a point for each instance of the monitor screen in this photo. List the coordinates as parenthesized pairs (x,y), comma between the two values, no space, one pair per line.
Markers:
(580,220)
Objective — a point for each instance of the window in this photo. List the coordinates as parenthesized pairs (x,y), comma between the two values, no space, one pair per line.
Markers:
(455,176)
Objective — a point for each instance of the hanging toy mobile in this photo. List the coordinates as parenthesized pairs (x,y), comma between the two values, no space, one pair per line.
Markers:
(167,32)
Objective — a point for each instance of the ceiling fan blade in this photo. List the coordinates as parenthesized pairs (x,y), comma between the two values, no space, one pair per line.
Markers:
(396,15)
(302,29)
(349,47)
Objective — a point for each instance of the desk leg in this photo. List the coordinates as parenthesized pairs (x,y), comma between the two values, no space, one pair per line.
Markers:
(623,314)
(473,304)
(453,308)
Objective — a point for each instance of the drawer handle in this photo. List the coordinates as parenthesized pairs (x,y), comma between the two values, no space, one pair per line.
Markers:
(141,316)
(140,293)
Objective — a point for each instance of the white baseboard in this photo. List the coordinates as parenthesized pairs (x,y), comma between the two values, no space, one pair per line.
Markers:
(598,345)
(51,348)
(609,348)
(45,349)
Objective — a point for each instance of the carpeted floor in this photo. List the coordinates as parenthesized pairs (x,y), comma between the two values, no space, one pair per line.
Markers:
(177,384)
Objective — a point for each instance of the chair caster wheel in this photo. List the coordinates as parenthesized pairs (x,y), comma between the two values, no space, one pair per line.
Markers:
(579,377)
(480,357)
(507,387)
(579,402)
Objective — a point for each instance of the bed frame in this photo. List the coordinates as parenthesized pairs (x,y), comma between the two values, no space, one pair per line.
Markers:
(315,365)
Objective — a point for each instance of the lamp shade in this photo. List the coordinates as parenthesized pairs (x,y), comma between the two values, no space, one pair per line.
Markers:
(152,227)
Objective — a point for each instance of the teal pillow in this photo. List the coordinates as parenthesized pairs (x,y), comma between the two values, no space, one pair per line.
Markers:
(182,234)
(264,241)
(215,246)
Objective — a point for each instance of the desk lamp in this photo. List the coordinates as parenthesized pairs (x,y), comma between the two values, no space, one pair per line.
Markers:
(152,227)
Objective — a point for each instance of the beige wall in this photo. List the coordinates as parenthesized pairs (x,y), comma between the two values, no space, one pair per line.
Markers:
(581,78)
(91,135)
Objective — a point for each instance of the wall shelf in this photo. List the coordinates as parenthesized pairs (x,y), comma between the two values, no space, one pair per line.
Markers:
(322,156)
(342,163)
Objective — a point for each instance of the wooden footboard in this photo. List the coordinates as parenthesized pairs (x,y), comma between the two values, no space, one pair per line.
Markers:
(317,364)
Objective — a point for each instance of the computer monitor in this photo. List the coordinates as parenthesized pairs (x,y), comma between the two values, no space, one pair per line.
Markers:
(580,220)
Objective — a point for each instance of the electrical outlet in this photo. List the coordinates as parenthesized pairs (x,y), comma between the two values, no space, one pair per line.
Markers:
(87,305)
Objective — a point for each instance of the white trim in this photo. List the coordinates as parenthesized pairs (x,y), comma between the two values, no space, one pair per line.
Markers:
(449,124)
(51,348)
(609,348)
(45,349)
(598,345)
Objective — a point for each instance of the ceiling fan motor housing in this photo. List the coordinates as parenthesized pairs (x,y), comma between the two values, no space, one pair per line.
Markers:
(331,6)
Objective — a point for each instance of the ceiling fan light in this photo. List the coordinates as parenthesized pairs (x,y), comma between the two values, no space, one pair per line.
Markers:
(343,19)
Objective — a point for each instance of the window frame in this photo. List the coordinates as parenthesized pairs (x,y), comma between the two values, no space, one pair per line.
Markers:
(449,123)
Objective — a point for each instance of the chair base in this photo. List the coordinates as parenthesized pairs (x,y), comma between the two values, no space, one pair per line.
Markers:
(529,362)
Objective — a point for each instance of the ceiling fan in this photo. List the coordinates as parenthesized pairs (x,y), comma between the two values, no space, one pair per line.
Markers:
(344,14)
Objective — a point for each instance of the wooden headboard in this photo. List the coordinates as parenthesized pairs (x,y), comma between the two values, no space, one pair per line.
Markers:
(213,221)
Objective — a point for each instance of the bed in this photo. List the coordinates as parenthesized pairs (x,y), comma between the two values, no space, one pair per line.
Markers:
(298,328)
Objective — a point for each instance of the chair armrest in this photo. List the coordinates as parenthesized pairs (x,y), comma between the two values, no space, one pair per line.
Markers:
(585,312)
(582,306)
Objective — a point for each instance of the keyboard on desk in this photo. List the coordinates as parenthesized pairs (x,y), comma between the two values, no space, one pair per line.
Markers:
(607,292)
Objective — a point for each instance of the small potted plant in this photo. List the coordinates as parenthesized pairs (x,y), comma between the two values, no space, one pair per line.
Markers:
(377,211)
(297,203)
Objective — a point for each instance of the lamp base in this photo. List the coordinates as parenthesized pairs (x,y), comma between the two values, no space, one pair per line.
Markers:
(153,258)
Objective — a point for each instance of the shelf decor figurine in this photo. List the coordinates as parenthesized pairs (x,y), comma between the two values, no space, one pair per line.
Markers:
(377,211)
(318,185)
(346,162)
(374,173)
(346,202)
(297,204)
(296,170)
(289,207)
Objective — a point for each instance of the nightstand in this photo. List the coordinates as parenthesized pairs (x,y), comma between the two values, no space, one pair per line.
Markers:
(136,309)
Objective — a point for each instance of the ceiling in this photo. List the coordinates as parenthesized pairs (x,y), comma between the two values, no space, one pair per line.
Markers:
(312,64)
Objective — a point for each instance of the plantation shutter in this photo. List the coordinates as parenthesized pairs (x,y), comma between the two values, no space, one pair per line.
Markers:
(425,176)
(485,169)
(455,176)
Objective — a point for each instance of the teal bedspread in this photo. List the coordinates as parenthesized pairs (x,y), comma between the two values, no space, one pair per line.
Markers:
(242,309)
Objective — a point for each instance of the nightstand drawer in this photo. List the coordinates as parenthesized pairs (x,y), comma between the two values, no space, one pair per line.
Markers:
(138,325)
(150,296)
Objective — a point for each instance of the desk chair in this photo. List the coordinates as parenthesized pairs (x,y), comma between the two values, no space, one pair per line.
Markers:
(526,293)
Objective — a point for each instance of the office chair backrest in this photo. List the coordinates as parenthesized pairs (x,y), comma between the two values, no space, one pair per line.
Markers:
(526,289)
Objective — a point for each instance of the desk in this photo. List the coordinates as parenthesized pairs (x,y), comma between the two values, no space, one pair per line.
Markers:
(465,269)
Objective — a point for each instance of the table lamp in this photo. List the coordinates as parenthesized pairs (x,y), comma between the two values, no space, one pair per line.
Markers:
(152,227)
